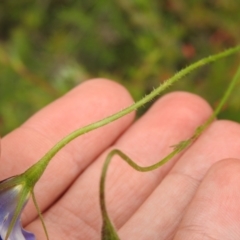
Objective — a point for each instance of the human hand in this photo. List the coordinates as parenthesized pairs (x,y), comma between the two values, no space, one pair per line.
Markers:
(194,196)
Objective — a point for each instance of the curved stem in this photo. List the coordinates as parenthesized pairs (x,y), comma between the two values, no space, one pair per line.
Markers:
(43,162)
(39,213)
(177,148)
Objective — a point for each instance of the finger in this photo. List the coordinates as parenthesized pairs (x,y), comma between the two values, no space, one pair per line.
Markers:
(215,209)
(170,120)
(164,209)
(87,103)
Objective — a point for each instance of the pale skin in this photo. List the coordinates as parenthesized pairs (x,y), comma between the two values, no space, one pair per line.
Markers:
(194,196)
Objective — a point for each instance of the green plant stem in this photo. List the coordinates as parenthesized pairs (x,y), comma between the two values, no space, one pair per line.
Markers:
(35,171)
(224,98)
(107,225)
(39,213)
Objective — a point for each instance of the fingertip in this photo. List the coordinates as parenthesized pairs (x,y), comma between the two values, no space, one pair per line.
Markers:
(88,102)
(214,209)
(224,173)
(186,100)
(182,107)
(108,88)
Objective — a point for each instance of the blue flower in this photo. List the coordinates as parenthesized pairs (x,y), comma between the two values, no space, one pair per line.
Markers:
(13,197)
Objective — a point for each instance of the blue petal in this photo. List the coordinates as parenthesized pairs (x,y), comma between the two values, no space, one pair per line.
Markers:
(28,235)
(18,233)
(8,201)
(8,204)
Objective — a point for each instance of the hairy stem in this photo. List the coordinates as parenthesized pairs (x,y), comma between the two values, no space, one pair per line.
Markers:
(43,162)
(107,225)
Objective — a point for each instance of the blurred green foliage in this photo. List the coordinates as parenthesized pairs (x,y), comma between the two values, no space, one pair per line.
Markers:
(47,47)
